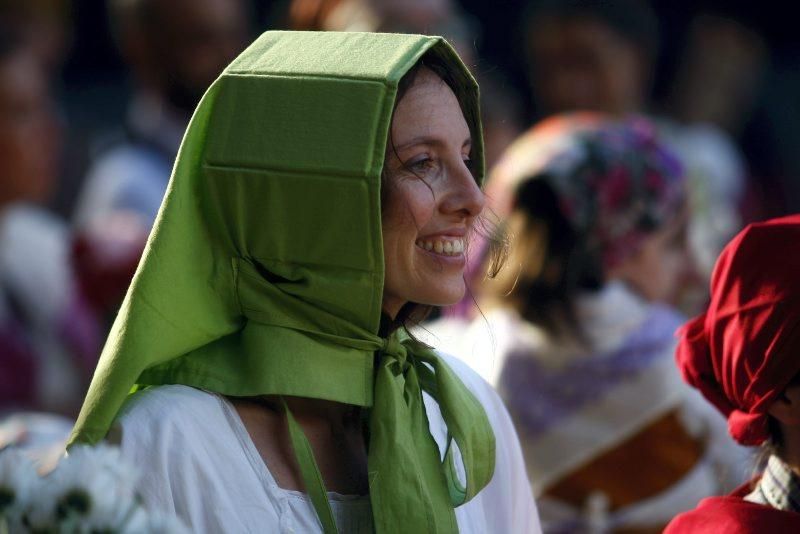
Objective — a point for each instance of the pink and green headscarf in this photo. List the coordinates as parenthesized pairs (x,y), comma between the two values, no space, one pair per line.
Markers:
(615,180)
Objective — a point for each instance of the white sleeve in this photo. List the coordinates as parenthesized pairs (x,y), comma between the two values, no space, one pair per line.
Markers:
(513,488)
(160,435)
(507,500)
(145,444)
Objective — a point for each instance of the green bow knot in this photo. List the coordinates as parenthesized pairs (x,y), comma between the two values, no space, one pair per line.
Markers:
(410,484)
(404,454)
(409,481)
(396,354)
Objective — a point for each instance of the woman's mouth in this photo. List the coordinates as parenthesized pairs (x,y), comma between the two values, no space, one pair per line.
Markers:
(443,246)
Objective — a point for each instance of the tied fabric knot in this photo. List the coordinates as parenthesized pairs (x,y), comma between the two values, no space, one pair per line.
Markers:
(394,349)
(403,456)
(748,428)
(411,482)
(695,361)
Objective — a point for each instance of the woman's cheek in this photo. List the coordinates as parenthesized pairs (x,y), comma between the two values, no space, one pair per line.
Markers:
(421,203)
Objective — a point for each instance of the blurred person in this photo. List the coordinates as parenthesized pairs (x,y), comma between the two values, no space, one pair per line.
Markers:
(502,114)
(50,28)
(46,24)
(594,55)
(428,17)
(719,76)
(729,76)
(591,55)
(575,334)
(48,339)
(175,48)
(741,354)
(718,187)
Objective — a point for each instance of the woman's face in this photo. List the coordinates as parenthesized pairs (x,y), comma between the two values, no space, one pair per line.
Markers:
(432,200)
(30,137)
(582,64)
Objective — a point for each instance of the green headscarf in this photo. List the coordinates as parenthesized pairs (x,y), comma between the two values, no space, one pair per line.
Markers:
(264,271)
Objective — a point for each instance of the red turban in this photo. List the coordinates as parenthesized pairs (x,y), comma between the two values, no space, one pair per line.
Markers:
(743,352)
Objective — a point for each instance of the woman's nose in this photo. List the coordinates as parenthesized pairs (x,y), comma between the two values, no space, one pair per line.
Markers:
(463,195)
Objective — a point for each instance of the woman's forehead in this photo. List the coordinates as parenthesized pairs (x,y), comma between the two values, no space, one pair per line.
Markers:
(431,110)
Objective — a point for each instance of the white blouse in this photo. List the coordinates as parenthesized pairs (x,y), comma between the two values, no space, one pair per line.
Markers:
(197,461)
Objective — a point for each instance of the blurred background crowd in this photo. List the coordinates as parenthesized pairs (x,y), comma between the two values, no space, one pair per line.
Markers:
(95,95)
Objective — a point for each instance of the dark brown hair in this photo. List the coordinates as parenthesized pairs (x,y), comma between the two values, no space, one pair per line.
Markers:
(556,263)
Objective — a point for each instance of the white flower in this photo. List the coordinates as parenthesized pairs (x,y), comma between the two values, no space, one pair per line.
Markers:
(101,458)
(91,490)
(94,487)
(19,484)
(40,512)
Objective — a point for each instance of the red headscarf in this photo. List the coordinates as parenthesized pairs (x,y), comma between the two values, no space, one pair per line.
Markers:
(743,352)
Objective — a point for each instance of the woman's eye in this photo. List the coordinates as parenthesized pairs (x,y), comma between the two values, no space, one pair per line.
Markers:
(422,165)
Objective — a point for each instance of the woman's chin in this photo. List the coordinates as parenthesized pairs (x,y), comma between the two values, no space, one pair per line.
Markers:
(446,297)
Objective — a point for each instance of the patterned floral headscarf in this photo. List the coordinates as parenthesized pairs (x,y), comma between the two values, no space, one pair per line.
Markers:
(614,179)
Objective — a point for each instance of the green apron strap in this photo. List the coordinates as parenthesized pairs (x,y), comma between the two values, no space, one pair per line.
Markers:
(312,478)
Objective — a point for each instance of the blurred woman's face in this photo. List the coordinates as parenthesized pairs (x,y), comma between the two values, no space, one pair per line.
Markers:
(30,136)
(581,64)
(657,268)
(432,200)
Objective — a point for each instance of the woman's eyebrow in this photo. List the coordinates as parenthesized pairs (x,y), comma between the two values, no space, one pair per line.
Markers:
(429,140)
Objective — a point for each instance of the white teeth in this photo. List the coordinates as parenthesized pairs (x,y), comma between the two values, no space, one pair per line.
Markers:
(446,247)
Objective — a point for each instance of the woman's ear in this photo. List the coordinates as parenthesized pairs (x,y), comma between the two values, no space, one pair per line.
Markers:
(786,408)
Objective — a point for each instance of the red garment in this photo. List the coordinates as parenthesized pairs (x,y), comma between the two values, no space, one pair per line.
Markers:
(742,353)
(734,515)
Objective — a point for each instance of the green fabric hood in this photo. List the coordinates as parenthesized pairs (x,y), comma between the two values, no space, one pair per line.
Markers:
(264,271)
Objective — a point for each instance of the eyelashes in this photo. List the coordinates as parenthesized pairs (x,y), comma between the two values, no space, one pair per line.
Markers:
(425,165)
(422,165)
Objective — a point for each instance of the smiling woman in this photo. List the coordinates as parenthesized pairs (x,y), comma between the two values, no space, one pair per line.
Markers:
(323,190)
